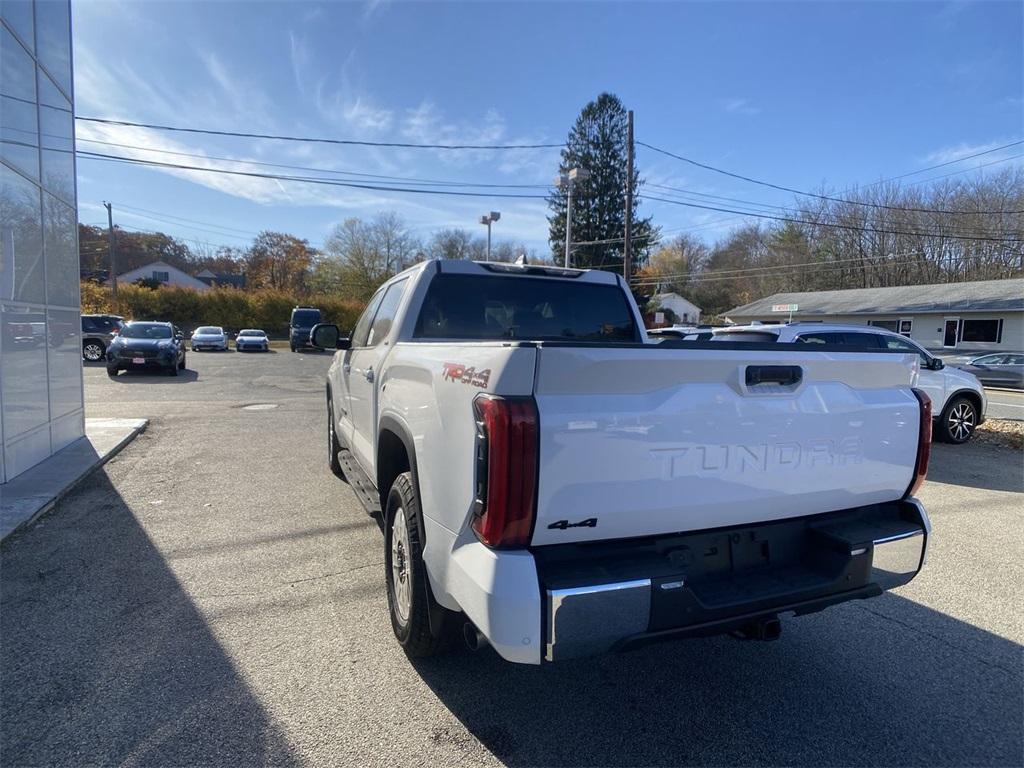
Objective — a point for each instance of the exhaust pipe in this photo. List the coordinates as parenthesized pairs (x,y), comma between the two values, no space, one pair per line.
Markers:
(474,638)
(762,629)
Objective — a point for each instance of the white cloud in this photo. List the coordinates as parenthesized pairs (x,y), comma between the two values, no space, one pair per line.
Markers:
(960,151)
(740,107)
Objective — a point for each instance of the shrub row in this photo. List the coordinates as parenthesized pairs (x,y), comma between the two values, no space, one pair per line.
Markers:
(227,307)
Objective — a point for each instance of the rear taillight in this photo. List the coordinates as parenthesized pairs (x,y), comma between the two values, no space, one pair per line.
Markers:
(506,470)
(924,443)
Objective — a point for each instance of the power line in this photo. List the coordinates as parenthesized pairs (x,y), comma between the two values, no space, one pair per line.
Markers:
(303,179)
(306,139)
(834,225)
(965,230)
(813,194)
(411,180)
(953,162)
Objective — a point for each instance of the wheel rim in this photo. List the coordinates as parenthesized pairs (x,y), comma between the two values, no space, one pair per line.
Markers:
(400,571)
(93,352)
(961,421)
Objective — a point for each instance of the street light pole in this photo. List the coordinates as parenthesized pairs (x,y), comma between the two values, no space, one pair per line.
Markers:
(568,180)
(488,219)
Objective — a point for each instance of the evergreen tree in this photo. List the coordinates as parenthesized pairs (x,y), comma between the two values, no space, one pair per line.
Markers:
(597,143)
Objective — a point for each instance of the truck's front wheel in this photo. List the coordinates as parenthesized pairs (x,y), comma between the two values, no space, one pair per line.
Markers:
(408,594)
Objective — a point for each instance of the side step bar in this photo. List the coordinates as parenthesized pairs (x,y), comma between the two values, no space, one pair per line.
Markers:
(360,483)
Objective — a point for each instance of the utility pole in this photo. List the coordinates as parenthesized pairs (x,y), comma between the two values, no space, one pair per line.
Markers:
(113,264)
(627,251)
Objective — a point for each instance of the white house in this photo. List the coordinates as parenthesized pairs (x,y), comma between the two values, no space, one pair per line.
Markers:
(686,312)
(163,273)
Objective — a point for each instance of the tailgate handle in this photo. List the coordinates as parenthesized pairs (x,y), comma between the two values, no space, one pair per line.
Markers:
(774,374)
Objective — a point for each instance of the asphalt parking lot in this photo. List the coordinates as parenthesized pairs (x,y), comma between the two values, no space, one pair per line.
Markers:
(1005,404)
(215,596)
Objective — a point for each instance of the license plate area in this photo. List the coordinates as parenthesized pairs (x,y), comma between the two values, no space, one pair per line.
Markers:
(138,360)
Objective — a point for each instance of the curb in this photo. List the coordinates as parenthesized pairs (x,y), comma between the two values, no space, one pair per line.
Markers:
(49,505)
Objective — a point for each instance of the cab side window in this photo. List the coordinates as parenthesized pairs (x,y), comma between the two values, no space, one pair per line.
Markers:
(385,316)
(362,329)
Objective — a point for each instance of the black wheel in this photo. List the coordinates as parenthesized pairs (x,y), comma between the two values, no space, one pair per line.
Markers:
(181,365)
(173,370)
(112,372)
(958,420)
(292,346)
(409,599)
(93,351)
(333,446)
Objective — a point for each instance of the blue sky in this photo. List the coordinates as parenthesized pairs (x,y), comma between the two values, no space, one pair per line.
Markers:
(799,94)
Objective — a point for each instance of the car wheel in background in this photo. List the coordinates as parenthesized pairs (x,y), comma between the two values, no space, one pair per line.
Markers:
(958,421)
(173,370)
(181,365)
(408,593)
(93,351)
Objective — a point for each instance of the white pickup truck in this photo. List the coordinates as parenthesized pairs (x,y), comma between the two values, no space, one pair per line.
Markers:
(554,486)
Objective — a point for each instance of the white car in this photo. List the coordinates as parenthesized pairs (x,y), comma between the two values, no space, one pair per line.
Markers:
(209,337)
(249,339)
(555,486)
(958,398)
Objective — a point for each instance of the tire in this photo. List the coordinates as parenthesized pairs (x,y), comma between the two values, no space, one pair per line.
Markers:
(93,351)
(173,370)
(958,421)
(333,446)
(410,603)
(112,372)
(292,346)
(181,365)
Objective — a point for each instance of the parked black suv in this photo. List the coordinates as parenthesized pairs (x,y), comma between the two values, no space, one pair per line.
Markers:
(147,345)
(97,333)
(302,322)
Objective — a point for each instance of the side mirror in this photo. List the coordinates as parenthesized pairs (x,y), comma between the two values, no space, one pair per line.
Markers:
(179,336)
(327,336)
(936,364)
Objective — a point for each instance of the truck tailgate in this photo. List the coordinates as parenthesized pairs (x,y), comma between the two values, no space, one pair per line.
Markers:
(636,441)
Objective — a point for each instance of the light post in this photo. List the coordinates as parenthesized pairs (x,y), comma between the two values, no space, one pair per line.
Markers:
(568,180)
(488,219)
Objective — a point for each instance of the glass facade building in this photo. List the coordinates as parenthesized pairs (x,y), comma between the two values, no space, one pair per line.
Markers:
(41,404)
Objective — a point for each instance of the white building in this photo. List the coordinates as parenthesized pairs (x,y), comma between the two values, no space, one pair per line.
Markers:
(163,273)
(41,408)
(981,316)
(686,312)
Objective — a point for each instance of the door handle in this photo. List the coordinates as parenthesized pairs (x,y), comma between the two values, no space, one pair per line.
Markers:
(368,374)
(787,375)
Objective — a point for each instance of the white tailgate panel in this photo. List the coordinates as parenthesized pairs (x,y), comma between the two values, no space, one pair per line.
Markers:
(675,440)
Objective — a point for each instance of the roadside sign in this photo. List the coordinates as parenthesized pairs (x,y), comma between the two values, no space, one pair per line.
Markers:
(785,307)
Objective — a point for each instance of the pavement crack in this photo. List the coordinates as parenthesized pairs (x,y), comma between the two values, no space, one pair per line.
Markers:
(940,639)
(283,584)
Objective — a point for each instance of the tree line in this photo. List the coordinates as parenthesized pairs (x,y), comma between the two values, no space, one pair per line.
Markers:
(356,257)
(884,235)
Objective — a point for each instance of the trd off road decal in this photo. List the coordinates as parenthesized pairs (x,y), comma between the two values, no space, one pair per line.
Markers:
(460,374)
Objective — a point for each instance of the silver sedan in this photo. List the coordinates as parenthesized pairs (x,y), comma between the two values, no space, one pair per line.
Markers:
(209,337)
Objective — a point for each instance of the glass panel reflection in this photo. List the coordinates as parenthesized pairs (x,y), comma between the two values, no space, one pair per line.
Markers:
(21,239)
(19,135)
(61,252)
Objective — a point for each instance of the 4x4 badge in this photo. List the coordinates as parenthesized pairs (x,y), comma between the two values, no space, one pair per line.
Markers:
(561,525)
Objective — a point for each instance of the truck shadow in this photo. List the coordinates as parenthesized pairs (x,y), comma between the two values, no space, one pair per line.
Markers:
(884,682)
(114,664)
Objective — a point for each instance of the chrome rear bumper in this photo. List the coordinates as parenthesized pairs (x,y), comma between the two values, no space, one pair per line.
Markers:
(843,560)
